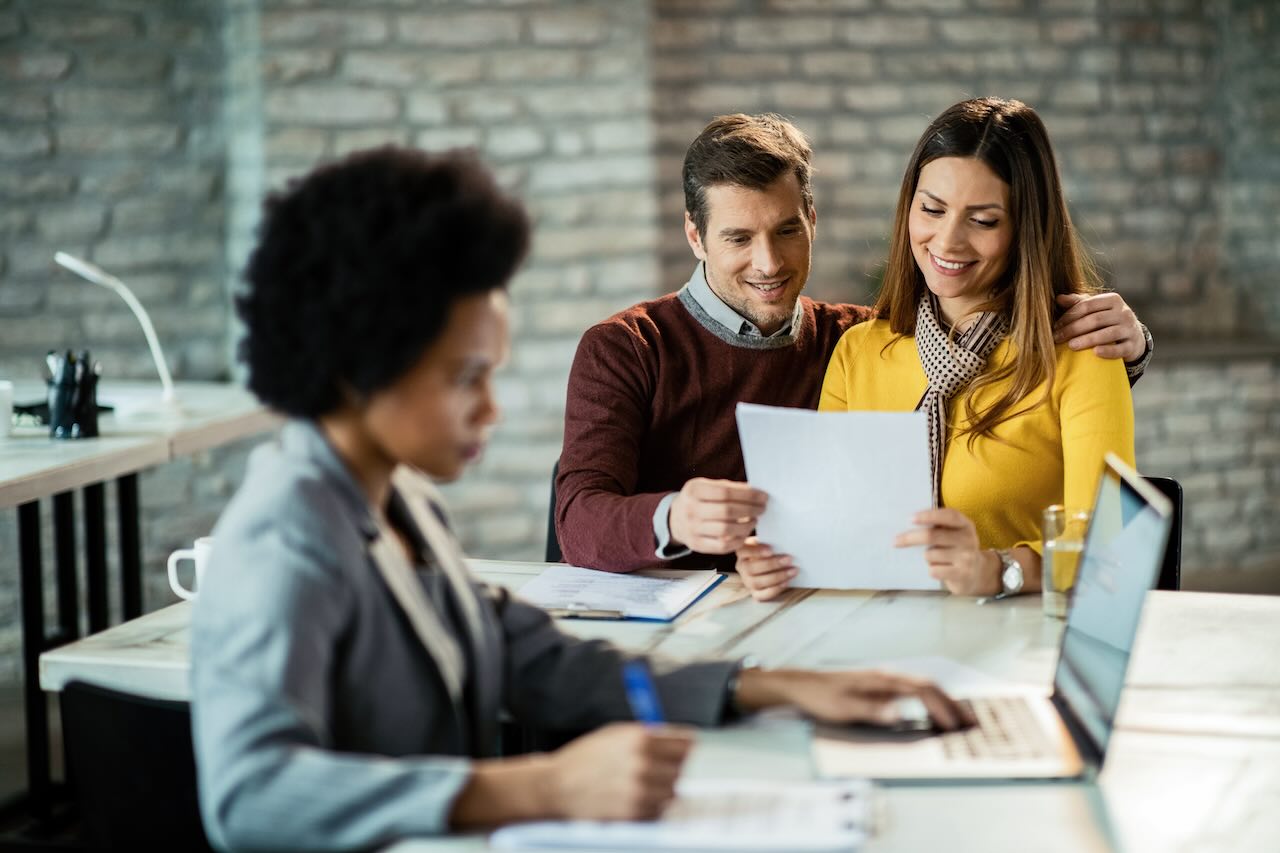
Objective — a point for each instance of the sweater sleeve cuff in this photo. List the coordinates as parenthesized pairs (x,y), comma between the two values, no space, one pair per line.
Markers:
(666,548)
(1135,369)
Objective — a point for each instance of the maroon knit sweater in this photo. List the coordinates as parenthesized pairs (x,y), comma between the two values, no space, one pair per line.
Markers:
(651,405)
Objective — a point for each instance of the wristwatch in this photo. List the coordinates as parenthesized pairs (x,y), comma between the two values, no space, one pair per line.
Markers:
(1010,574)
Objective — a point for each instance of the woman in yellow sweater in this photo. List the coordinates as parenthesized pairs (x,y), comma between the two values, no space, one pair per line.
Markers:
(982,247)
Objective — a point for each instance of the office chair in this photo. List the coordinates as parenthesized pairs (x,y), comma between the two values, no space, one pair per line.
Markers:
(1171,565)
(131,766)
(553,554)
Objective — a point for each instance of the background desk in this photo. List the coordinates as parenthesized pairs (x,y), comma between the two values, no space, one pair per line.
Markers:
(1172,782)
(33,466)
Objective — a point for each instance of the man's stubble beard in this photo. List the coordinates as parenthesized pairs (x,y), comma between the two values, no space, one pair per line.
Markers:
(746,309)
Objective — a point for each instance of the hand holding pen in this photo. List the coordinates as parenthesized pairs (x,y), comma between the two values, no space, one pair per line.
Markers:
(623,771)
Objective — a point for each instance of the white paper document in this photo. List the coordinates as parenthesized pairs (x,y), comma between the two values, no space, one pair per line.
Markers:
(587,593)
(841,486)
(715,815)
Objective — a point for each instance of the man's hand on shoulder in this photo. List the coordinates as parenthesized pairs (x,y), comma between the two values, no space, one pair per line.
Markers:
(1102,321)
(715,516)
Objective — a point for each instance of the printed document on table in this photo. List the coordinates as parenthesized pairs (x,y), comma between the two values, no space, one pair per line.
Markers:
(841,486)
(569,590)
(720,814)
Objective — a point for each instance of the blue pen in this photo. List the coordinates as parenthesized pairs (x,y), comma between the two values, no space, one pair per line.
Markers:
(641,693)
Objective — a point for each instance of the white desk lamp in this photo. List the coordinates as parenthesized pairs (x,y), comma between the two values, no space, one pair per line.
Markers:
(95,274)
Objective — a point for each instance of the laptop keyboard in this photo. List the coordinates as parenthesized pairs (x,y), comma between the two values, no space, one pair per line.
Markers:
(1006,730)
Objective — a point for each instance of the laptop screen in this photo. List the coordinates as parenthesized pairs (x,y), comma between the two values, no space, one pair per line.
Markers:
(1122,552)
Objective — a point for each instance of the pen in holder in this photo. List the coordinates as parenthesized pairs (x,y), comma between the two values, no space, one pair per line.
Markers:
(73,395)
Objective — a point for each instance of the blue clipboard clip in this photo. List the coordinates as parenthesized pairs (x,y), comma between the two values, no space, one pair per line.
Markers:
(582,611)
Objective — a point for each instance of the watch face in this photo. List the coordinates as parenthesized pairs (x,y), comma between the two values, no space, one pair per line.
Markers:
(1012,578)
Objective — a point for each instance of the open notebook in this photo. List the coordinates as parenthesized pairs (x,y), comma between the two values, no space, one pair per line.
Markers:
(720,815)
(571,592)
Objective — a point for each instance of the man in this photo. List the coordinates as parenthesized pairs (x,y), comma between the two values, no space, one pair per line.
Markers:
(651,470)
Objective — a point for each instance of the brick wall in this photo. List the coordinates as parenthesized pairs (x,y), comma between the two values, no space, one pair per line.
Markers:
(1250,107)
(1126,88)
(111,148)
(1211,419)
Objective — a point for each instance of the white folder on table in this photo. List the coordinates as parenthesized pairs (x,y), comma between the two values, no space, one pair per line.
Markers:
(572,592)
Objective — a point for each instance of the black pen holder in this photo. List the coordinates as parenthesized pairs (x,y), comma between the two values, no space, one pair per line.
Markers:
(73,396)
(86,407)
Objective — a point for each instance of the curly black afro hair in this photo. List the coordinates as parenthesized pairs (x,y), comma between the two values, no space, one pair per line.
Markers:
(358,265)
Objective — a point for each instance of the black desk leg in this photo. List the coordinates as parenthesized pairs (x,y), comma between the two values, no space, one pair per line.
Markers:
(95,551)
(33,642)
(130,545)
(64,546)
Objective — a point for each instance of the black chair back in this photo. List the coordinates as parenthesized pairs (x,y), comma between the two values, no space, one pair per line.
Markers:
(1171,566)
(553,554)
(131,766)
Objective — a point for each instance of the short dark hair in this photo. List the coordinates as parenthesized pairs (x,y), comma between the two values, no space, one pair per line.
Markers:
(745,151)
(358,265)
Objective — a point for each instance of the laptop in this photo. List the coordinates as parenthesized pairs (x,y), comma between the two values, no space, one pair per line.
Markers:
(1026,735)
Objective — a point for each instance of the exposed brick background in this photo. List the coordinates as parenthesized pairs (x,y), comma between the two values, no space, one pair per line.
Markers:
(1213,422)
(143,135)
(111,149)
(1250,112)
(1128,90)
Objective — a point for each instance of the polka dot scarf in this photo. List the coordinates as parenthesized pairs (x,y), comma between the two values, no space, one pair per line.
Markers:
(950,365)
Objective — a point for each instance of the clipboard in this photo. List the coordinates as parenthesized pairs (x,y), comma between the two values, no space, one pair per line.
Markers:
(570,592)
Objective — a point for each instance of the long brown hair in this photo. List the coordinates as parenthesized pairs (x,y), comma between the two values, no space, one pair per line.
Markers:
(1045,256)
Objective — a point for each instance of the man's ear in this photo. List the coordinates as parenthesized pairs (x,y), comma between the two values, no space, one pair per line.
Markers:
(813,218)
(695,241)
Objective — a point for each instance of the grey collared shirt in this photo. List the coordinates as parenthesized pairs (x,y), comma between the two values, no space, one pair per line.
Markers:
(730,319)
(734,325)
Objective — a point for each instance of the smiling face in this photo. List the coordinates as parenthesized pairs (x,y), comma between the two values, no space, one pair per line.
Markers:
(437,416)
(960,231)
(757,248)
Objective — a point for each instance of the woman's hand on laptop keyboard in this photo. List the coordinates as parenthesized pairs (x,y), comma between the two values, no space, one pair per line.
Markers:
(847,697)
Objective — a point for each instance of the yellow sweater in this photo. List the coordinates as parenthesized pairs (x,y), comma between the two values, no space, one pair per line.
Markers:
(1049,455)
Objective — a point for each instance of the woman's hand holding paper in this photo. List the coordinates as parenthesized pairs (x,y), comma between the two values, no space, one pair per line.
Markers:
(953,552)
(763,572)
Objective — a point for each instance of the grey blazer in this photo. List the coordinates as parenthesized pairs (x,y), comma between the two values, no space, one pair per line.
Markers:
(334,705)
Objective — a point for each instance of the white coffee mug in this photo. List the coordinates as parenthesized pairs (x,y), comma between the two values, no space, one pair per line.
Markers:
(198,555)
